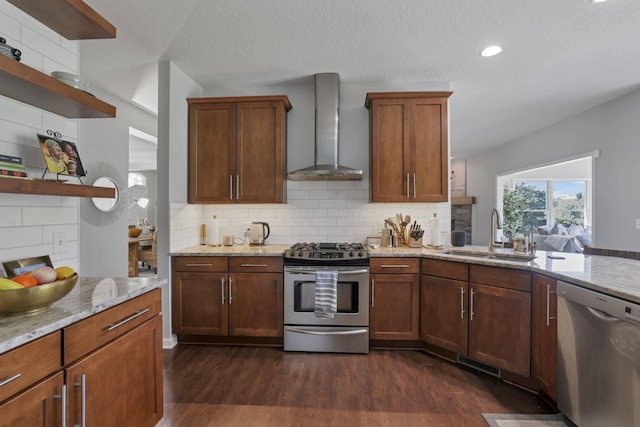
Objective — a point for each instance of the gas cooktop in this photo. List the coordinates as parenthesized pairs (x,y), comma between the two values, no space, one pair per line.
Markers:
(328,251)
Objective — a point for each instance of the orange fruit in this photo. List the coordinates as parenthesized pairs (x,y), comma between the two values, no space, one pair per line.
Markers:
(26,280)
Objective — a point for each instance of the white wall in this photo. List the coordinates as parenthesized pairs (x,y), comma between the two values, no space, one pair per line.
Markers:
(105,247)
(27,222)
(612,128)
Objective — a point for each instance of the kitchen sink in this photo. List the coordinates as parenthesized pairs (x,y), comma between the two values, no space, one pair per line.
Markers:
(507,256)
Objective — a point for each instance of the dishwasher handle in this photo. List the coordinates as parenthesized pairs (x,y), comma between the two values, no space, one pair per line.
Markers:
(602,315)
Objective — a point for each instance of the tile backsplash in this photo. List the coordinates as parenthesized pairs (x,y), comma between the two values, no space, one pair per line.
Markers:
(315,211)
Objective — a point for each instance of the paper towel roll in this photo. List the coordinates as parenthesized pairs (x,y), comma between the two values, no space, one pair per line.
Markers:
(434,231)
(213,232)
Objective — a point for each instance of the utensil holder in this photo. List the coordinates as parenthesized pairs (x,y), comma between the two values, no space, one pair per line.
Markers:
(415,243)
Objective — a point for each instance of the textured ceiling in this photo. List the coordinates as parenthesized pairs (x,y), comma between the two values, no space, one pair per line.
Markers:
(560,56)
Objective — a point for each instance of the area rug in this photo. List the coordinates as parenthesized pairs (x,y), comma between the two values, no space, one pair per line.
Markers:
(527,420)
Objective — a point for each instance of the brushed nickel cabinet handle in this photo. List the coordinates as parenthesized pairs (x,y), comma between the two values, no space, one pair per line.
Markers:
(407,185)
(373,292)
(200,265)
(63,397)
(8,380)
(414,185)
(471,313)
(222,288)
(237,187)
(230,285)
(83,399)
(462,302)
(254,265)
(549,291)
(395,266)
(230,187)
(138,313)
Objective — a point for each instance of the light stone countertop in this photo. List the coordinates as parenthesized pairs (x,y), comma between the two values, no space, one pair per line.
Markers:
(91,295)
(615,276)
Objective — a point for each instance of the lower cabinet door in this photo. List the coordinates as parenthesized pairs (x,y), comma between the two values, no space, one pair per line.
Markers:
(395,305)
(200,303)
(40,405)
(500,327)
(120,384)
(256,304)
(444,317)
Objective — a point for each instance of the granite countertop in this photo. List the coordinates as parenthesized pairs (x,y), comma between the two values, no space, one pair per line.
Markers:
(91,295)
(612,275)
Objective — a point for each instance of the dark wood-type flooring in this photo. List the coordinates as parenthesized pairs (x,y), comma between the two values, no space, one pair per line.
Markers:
(263,386)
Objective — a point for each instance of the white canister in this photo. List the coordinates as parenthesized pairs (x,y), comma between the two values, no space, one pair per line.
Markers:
(213,232)
(434,231)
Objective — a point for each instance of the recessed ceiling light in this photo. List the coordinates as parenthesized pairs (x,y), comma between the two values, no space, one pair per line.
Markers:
(598,1)
(491,51)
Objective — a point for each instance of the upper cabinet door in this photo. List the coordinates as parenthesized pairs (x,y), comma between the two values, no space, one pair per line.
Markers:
(211,153)
(429,150)
(260,152)
(390,150)
(409,146)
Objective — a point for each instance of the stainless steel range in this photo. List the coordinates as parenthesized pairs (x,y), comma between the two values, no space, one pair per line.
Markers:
(348,330)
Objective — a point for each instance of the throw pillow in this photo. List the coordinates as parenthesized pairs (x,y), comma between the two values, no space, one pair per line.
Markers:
(584,239)
(545,229)
(575,230)
(561,230)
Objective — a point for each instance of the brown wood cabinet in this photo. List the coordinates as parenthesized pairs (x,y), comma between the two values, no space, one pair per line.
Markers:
(110,363)
(487,319)
(409,143)
(118,376)
(235,296)
(40,405)
(237,149)
(394,312)
(544,335)
(444,304)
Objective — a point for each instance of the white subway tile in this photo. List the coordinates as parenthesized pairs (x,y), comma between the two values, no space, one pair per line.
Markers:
(46,47)
(336,203)
(9,216)
(322,194)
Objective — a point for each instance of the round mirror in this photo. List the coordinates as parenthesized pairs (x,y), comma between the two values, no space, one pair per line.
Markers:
(103,204)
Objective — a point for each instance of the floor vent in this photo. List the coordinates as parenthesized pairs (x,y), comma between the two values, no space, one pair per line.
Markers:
(479,366)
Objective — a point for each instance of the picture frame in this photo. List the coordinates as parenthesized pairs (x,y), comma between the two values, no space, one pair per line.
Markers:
(61,157)
(21,266)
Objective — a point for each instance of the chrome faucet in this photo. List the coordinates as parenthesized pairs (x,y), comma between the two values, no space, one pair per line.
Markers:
(495,225)
(531,249)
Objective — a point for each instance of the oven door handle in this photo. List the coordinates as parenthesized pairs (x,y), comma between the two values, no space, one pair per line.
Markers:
(309,332)
(340,273)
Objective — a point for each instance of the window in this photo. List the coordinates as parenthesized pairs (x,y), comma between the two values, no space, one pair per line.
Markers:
(558,193)
(554,202)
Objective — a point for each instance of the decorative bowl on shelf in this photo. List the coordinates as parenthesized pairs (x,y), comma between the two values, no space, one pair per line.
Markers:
(135,232)
(72,80)
(35,298)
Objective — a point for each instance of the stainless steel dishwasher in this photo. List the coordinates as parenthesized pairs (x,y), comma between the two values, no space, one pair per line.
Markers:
(598,358)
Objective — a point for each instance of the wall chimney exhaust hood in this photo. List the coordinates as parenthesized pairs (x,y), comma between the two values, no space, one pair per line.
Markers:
(326,167)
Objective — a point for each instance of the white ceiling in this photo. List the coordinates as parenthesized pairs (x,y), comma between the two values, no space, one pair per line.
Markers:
(560,57)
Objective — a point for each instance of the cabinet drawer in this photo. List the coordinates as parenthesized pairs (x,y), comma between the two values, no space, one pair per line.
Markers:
(200,263)
(87,335)
(258,264)
(519,280)
(446,269)
(29,363)
(395,265)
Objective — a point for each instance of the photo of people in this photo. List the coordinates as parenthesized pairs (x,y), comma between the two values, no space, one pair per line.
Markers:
(61,156)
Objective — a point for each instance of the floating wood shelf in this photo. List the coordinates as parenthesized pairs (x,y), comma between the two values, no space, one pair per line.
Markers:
(73,19)
(52,188)
(25,84)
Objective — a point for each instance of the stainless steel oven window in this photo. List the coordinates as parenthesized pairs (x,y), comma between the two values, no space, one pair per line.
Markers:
(304,296)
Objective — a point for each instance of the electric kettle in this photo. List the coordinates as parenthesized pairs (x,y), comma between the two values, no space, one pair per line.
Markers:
(258,233)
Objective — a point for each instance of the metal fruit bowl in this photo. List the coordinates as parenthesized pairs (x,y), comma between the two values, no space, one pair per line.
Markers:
(35,298)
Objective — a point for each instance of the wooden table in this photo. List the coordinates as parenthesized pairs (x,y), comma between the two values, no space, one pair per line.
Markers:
(133,253)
